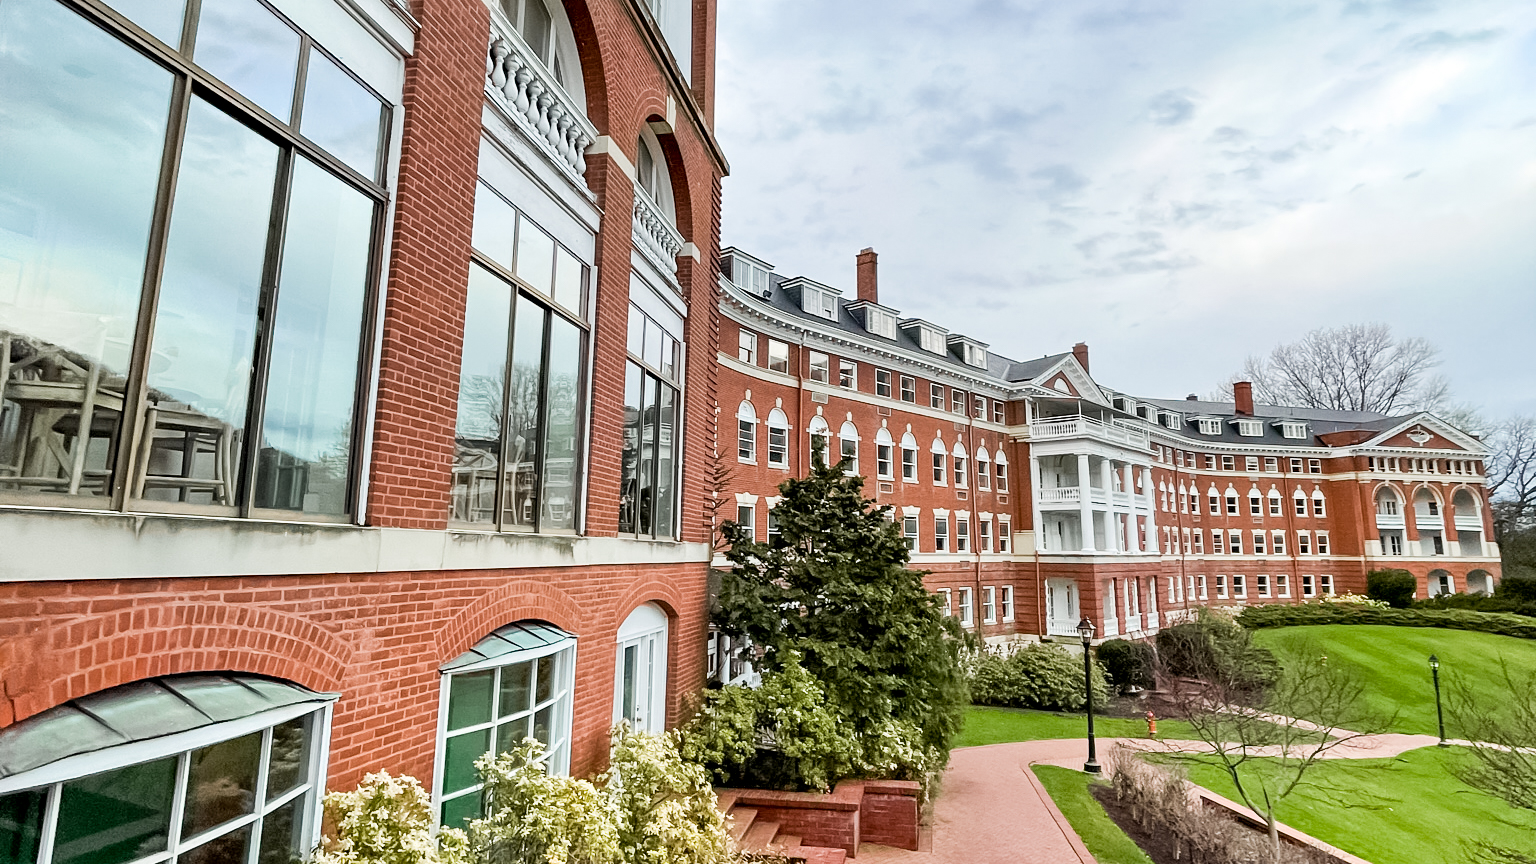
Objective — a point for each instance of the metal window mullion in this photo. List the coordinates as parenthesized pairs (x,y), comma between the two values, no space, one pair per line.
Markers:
(222,829)
(266,316)
(190,18)
(178,803)
(300,77)
(363,381)
(261,805)
(504,446)
(50,823)
(135,391)
(541,428)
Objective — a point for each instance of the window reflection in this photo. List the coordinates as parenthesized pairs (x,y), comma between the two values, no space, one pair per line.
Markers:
(482,380)
(82,125)
(247,47)
(520,497)
(205,323)
(306,435)
(161,18)
(221,784)
(117,815)
(648,464)
(561,407)
(341,115)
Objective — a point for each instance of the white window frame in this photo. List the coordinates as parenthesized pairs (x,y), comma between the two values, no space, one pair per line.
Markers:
(818,367)
(1325,584)
(984,535)
(988,604)
(750,520)
(778,356)
(778,440)
(936,396)
(941,532)
(1321,543)
(949,609)
(1007,601)
(847,374)
(1239,586)
(962,533)
(746,347)
(965,607)
(883,383)
(908,388)
(1308,585)
(1004,536)
(909,530)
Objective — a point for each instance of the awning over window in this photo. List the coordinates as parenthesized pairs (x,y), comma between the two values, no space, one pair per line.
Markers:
(522,636)
(140,711)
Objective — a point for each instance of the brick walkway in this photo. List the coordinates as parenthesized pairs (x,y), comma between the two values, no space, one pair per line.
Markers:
(992,810)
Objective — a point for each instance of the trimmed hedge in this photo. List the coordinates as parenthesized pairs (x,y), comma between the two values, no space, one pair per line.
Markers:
(1393,587)
(1278,615)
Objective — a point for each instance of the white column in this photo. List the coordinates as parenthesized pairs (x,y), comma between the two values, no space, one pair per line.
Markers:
(1132,536)
(1037,518)
(1085,501)
(1111,534)
(1152,542)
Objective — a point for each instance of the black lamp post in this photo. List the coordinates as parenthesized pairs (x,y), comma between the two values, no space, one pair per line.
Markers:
(1085,630)
(1434,669)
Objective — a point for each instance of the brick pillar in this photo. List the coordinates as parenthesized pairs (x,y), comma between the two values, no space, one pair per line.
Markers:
(429,268)
(610,329)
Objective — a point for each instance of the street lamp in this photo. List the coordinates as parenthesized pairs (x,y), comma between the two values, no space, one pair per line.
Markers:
(1085,630)
(1434,669)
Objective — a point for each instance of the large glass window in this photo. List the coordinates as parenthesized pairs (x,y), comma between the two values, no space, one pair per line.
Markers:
(495,702)
(652,406)
(241,791)
(127,307)
(520,409)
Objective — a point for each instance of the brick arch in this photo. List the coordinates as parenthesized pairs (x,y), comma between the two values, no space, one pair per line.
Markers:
(594,74)
(663,594)
(516,601)
(677,173)
(83,655)
(1434,493)
(1396,490)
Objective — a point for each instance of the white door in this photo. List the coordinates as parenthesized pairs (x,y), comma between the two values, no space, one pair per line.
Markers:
(1061,605)
(640,676)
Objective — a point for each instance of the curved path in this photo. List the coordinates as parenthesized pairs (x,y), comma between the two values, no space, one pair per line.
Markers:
(992,810)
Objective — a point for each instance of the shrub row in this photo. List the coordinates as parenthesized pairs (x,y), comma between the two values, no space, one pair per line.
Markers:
(1277,615)
(1041,676)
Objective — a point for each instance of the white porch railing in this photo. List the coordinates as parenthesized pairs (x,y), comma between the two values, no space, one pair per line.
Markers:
(518,81)
(1087,427)
(1061,495)
(654,234)
(1123,499)
(1469,523)
(1389,520)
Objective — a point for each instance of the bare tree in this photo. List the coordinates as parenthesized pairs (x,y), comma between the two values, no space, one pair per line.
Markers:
(1502,732)
(1266,739)
(1512,473)
(1356,367)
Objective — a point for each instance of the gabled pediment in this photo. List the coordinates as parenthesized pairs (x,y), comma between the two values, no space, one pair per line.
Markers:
(1425,431)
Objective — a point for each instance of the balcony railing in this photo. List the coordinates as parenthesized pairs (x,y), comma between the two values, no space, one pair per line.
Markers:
(1087,427)
(1469,523)
(519,82)
(1060,495)
(1389,520)
(654,234)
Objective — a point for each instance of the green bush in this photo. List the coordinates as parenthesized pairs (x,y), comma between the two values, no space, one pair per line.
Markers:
(1517,588)
(1128,663)
(1044,676)
(1498,623)
(1215,648)
(786,734)
(1395,587)
(1479,603)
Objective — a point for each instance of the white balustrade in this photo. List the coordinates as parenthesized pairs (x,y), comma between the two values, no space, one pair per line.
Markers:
(520,83)
(1087,427)
(653,233)
(1060,495)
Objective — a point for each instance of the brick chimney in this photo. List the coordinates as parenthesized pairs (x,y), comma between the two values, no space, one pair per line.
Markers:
(1242,393)
(1080,351)
(869,287)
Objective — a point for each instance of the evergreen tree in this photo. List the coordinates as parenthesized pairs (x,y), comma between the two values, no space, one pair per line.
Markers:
(834,589)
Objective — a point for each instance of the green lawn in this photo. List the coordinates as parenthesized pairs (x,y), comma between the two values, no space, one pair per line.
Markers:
(1104,839)
(1408,810)
(1001,725)
(1394,663)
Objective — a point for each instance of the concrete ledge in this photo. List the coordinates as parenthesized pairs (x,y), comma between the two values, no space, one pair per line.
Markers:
(1211,801)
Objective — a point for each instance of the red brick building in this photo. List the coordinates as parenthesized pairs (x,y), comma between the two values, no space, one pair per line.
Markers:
(1036,496)
(347,420)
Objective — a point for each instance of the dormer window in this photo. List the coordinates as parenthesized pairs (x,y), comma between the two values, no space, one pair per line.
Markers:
(1250,428)
(1293,430)
(819,302)
(930,340)
(1172,421)
(1209,426)
(749,277)
(880,322)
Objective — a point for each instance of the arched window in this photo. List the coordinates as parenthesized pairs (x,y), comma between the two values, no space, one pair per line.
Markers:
(1276,502)
(746,433)
(1301,502)
(848,447)
(885,455)
(983,470)
(1255,502)
(640,678)
(1319,504)
(164,767)
(1002,475)
(820,438)
(778,439)
(908,458)
(651,174)
(1215,500)
(962,466)
(546,31)
(940,461)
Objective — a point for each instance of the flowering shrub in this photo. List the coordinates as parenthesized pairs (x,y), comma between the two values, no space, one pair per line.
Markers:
(664,807)
(1352,600)
(386,820)
(533,818)
(1033,676)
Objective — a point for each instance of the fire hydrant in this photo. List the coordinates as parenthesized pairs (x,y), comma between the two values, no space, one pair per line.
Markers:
(1151,725)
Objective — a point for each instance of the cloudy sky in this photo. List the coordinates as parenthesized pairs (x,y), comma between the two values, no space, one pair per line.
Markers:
(1179,184)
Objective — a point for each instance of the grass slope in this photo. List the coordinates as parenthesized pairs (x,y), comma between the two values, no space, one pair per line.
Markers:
(985,725)
(1408,810)
(1394,664)
(1104,839)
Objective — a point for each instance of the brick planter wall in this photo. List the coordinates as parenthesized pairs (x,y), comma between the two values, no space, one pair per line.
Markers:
(874,811)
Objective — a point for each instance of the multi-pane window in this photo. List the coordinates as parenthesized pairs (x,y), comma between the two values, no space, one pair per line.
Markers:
(983,471)
(1221,587)
(984,535)
(1271,464)
(1228,463)
(1216,542)
(1261,582)
(1002,472)
(941,533)
(246,237)
(521,694)
(1322,543)
(962,470)
(989,605)
(1235,543)
(746,433)
(1277,543)
(819,367)
(1295,465)
(1231,504)
(944,598)
(1325,582)
(1283,585)
(1255,505)
(1315,466)
(997,411)
(980,404)
(957,401)
(1303,543)
(1199,542)
(1318,505)
(940,457)
(1308,585)
(1004,533)
(883,382)
(848,447)
(746,349)
(1007,602)
(778,439)
(1274,504)
(774,534)
(965,607)
(1239,586)
(652,409)
(1215,502)
(746,517)
(962,533)
(909,531)
(1251,463)
(521,384)
(909,458)
(1200,584)
(848,374)
(885,457)
(935,395)
(778,356)
(908,389)
(1301,503)
(207,792)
